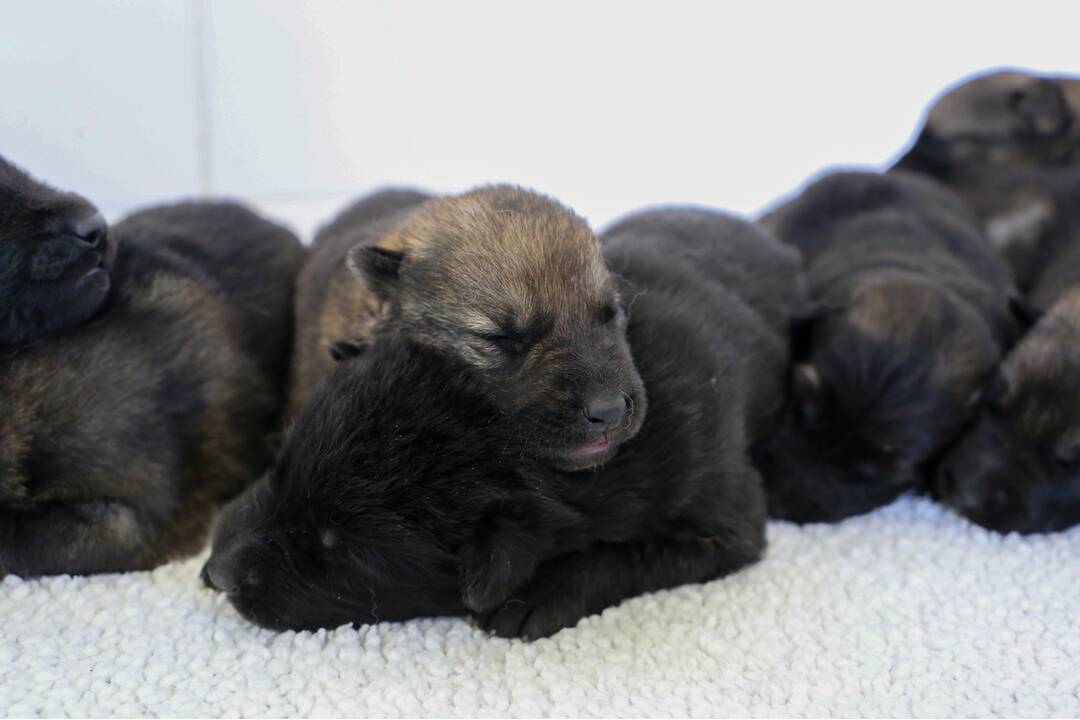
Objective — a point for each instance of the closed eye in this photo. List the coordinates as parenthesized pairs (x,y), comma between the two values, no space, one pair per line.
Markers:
(509,344)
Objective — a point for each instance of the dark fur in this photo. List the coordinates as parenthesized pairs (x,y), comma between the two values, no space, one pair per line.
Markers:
(503,278)
(1001,122)
(404,489)
(118,437)
(908,316)
(1018,467)
(55,259)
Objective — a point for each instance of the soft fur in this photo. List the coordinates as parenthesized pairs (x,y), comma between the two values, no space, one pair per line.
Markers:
(55,259)
(909,315)
(405,490)
(507,280)
(118,437)
(1003,121)
(1018,467)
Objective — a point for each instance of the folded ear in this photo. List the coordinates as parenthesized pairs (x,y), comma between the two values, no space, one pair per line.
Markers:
(377,266)
(1025,311)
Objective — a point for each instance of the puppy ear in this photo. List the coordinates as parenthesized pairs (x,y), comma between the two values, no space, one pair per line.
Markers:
(377,266)
(801,329)
(1040,109)
(343,350)
(1024,311)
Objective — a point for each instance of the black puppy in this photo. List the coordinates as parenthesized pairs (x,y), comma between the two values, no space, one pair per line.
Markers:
(908,316)
(1018,467)
(403,490)
(55,258)
(118,437)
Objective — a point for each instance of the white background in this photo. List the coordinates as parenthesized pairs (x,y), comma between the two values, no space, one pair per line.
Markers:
(298,107)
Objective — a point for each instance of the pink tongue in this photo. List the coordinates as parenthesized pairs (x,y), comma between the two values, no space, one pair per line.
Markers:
(596,446)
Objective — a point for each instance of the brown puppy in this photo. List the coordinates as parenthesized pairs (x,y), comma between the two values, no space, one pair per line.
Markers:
(1004,121)
(509,281)
(118,437)
(1018,468)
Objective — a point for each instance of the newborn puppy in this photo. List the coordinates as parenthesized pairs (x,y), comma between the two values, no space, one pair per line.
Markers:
(908,316)
(118,437)
(508,281)
(1005,121)
(55,258)
(403,491)
(1018,468)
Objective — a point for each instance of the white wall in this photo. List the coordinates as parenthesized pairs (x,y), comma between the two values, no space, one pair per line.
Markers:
(606,105)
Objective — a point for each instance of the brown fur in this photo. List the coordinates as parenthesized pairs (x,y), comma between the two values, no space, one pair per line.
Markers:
(506,279)
(120,436)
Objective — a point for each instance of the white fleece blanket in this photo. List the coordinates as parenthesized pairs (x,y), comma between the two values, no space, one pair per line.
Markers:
(908,611)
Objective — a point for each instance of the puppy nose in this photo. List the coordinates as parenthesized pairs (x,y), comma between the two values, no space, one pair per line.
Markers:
(91,230)
(216,575)
(606,410)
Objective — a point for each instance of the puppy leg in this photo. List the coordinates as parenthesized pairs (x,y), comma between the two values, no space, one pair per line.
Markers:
(497,560)
(77,538)
(570,587)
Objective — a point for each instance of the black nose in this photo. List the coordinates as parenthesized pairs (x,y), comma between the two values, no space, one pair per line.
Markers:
(606,410)
(217,575)
(92,230)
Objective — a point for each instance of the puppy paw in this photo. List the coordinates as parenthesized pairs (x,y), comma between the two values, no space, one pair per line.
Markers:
(494,563)
(532,617)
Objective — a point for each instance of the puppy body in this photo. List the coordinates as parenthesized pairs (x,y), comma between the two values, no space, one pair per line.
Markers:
(1018,467)
(405,490)
(335,310)
(503,278)
(55,259)
(909,314)
(119,435)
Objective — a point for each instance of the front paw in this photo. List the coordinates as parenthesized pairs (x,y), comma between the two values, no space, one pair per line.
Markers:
(531,615)
(495,562)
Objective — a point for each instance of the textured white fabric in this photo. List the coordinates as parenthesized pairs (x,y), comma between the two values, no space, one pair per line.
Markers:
(907,611)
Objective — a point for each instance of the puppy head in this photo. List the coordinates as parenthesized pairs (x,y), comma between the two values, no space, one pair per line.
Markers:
(55,257)
(878,385)
(1018,468)
(513,284)
(1007,119)
(383,476)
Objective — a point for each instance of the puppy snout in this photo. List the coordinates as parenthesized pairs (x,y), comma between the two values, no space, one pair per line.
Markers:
(217,575)
(606,410)
(92,231)
(228,575)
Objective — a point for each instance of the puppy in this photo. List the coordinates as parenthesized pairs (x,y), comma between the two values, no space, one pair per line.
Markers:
(909,314)
(1003,142)
(505,279)
(1001,122)
(1017,469)
(404,489)
(55,259)
(119,436)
